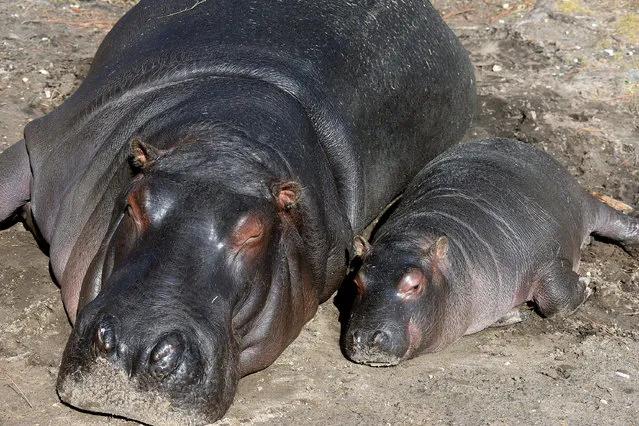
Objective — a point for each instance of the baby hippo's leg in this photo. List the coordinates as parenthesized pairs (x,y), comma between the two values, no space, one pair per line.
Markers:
(558,289)
(618,227)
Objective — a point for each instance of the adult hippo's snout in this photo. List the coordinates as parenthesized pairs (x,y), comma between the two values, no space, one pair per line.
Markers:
(151,373)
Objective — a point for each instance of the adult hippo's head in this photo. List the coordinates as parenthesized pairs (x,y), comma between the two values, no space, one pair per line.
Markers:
(400,302)
(202,278)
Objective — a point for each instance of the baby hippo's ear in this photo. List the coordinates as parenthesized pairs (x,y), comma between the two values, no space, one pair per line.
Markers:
(143,154)
(439,250)
(435,253)
(362,246)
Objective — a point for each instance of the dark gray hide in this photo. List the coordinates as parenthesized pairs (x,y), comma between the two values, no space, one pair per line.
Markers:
(200,190)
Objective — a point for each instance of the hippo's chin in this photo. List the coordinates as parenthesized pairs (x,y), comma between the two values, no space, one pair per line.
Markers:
(373,357)
(105,388)
(165,382)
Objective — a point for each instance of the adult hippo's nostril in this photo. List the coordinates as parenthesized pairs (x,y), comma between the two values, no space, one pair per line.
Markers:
(357,338)
(166,355)
(104,337)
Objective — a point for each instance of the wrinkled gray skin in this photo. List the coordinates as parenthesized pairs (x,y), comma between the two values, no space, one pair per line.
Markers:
(483,228)
(199,193)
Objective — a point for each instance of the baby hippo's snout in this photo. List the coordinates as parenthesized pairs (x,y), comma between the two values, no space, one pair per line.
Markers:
(378,348)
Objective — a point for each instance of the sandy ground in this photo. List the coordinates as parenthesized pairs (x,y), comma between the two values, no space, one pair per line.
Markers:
(563,76)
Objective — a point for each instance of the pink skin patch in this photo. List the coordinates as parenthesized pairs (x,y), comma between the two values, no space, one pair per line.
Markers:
(414,338)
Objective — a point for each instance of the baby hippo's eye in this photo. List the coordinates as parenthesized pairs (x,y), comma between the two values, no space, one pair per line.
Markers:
(412,284)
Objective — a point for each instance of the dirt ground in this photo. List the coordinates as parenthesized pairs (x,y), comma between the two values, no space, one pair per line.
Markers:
(562,75)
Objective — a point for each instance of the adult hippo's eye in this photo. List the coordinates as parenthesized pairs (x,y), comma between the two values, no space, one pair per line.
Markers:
(412,285)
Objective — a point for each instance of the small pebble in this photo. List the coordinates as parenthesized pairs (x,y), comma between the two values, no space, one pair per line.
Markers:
(610,52)
(43,71)
(506,5)
(622,374)
(604,402)
(497,68)
(24,79)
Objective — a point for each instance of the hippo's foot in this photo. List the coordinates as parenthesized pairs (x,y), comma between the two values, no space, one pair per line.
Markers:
(559,289)
(515,316)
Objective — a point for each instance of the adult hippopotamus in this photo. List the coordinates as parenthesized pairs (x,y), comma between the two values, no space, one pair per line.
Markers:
(200,191)
(483,228)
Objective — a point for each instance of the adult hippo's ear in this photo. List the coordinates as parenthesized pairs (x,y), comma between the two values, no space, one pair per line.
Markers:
(143,154)
(286,194)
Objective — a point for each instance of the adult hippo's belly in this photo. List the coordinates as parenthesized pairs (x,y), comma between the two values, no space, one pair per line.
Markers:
(200,191)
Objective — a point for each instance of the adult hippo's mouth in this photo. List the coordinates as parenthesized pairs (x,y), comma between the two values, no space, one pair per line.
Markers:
(158,380)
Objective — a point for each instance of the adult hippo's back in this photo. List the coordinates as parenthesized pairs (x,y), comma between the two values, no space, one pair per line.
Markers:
(199,192)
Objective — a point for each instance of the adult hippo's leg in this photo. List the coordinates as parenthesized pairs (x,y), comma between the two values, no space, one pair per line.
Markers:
(15,182)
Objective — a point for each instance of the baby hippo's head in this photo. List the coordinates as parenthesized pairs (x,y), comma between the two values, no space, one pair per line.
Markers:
(398,310)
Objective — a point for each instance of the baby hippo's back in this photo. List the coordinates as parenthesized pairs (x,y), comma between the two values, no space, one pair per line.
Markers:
(505,193)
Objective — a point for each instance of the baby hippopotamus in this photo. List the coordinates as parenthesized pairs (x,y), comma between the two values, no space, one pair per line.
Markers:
(483,228)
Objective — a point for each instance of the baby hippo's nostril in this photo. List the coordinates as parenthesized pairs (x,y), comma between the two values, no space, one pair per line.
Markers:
(357,338)
(104,337)
(380,338)
(166,355)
